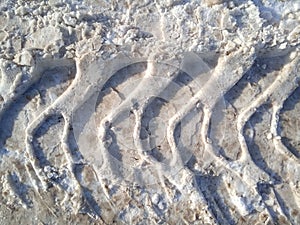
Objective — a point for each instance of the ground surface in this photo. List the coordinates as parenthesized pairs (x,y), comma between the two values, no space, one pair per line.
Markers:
(149,112)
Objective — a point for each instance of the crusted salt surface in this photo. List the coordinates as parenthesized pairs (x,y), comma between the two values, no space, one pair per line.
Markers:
(165,112)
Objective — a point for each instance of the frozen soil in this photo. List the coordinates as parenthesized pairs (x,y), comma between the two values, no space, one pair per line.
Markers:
(149,112)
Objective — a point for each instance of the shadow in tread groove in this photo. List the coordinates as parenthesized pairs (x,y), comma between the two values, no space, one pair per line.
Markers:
(209,187)
(40,153)
(291,127)
(254,149)
(20,189)
(283,205)
(89,204)
(264,190)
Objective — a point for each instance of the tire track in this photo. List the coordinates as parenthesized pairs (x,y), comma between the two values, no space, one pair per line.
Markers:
(186,180)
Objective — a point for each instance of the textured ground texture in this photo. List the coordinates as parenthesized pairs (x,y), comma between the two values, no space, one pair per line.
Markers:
(149,112)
